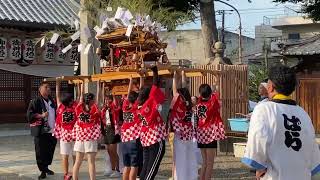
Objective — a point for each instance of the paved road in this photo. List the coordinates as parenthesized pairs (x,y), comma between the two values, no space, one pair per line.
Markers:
(17,162)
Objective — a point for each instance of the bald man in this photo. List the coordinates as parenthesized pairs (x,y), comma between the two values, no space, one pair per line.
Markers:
(263,92)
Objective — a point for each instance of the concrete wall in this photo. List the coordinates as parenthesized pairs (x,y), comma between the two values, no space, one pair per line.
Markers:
(232,45)
(263,35)
(189,45)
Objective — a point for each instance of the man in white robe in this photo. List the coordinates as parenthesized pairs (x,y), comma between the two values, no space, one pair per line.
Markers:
(281,141)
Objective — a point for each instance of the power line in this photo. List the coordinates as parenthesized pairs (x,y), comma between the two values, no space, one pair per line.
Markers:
(260,12)
(257,9)
(257,12)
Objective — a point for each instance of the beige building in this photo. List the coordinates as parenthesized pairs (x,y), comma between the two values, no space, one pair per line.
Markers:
(265,35)
(281,31)
(188,44)
(296,28)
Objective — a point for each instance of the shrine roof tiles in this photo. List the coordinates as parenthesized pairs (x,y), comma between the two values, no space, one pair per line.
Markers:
(306,47)
(46,12)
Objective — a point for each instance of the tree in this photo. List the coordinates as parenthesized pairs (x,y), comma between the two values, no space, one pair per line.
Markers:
(208,26)
(171,14)
(206,9)
(207,15)
(310,7)
(257,74)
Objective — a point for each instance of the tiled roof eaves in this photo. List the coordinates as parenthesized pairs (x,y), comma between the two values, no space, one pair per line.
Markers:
(53,12)
(29,25)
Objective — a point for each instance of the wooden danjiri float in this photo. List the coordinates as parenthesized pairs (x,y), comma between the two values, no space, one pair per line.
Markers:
(129,51)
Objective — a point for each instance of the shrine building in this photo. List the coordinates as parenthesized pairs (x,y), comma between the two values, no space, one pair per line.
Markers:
(26,57)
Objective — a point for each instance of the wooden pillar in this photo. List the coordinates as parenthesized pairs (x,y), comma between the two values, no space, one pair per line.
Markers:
(90,63)
(27,90)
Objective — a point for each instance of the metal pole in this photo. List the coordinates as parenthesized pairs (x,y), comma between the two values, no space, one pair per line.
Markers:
(265,49)
(222,33)
(240,29)
(222,30)
(240,40)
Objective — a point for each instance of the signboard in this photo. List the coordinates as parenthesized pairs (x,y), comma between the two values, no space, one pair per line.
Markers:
(15,49)
(120,89)
(29,51)
(74,54)
(60,56)
(48,55)
(3,48)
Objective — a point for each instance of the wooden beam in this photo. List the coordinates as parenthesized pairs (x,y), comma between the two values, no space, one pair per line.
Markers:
(69,78)
(119,75)
(177,68)
(195,74)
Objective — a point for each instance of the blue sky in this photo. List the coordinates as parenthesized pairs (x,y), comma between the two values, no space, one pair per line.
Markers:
(252,14)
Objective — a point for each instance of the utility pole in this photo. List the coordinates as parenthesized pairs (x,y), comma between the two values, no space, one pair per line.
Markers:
(265,48)
(222,28)
(240,28)
(222,32)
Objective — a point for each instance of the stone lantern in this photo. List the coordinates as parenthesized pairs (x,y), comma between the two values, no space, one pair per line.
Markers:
(217,50)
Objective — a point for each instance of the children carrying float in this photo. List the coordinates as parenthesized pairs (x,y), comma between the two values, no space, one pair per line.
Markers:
(130,134)
(87,132)
(143,131)
(110,115)
(65,121)
(209,128)
(153,131)
(184,156)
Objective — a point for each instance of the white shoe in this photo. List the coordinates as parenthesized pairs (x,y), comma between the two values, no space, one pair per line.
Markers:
(108,173)
(115,174)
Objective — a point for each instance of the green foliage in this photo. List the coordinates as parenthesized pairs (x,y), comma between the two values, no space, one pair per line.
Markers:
(234,55)
(310,7)
(257,74)
(170,14)
(171,19)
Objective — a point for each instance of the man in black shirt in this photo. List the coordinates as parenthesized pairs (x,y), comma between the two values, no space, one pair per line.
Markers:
(41,116)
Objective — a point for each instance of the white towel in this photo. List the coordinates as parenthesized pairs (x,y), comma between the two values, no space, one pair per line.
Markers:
(186,159)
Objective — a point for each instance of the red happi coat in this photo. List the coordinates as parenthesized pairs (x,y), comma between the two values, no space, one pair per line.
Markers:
(65,121)
(153,128)
(131,126)
(114,109)
(87,127)
(209,123)
(180,118)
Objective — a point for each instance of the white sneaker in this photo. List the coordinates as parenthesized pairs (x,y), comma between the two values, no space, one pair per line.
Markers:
(115,174)
(107,173)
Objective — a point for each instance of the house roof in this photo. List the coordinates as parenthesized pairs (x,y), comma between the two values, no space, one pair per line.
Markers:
(46,13)
(306,47)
